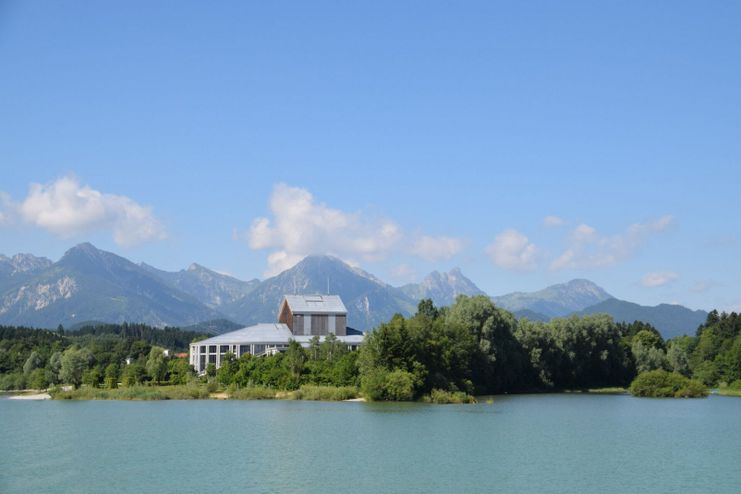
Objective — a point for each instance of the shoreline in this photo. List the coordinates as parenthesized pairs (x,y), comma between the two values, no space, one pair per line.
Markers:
(35,396)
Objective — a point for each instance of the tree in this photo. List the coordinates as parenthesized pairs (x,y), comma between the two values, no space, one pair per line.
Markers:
(74,363)
(34,361)
(678,355)
(111,376)
(133,374)
(157,364)
(295,358)
(426,308)
(180,371)
(39,378)
(648,358)
(228,370)
(55,366)
(93,376)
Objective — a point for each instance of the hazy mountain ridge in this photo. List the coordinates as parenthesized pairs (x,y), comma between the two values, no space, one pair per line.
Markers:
(90,284)
(211,288)
(556,300)
(442,288)
(671,320)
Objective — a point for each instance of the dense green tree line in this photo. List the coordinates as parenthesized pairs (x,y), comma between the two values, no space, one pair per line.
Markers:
(94,355)
(476,347)
(471,347)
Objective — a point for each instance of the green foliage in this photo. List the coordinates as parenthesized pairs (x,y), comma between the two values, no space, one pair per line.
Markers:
(111,376)
(12,381)
(399,385)
(180,371)
(75,362)
(33,362)
(133,374)
(662,384)
(39,379)
(442,397)
(157,364)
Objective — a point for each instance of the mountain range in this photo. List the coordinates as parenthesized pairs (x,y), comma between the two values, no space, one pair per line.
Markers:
(88,284)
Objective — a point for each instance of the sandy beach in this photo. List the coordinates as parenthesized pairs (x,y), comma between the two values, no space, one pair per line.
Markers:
(29,396)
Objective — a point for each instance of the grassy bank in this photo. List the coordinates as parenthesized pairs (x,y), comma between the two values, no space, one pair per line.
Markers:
(733,389)
(202,392)
(179,392)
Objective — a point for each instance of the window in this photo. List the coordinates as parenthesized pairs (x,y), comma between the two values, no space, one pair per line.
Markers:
(212,349)
(212,359)
(319,324)
(224,348)
(243,349)
(259,349)
(203,349)
(203,363)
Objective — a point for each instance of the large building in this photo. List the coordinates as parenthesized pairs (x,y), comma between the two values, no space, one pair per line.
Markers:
(300,318)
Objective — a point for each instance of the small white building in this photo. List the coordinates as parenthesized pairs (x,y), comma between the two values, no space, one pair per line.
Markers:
(300,318)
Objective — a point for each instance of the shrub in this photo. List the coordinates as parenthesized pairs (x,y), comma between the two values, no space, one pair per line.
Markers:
(399,385)
(373,384)
(12,381)
(442,397)
(662,384)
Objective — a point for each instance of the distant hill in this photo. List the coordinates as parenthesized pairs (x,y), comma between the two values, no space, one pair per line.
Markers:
(531,315)
(555,300)
(442,288)
(216,326)
(90,284)
(369,301)
(209,287)
(670,320)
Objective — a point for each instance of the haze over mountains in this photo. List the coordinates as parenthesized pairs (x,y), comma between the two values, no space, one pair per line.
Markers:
(88,284)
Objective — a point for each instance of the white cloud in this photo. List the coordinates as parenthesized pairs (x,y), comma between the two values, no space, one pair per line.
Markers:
(6,209)
(656,279)
(588,249)
(67,209)
(512,250)
(436,248)
(553,221)
(301,226)
(403,272)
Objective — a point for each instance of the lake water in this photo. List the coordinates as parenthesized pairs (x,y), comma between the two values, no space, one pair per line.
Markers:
(519,444)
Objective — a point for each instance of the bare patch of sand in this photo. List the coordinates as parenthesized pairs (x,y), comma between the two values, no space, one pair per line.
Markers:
(31,396)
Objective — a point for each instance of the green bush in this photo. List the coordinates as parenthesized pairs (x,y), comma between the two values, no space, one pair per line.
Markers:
(662,384)
(12,381)
(399,385)
(442,397)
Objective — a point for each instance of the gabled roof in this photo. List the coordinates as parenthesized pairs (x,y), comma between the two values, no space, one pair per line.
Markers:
(315,304)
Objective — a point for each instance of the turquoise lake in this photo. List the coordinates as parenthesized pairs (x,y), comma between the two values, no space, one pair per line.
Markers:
(519,444)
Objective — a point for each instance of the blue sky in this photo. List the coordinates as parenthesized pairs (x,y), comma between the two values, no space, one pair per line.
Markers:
(402,137)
